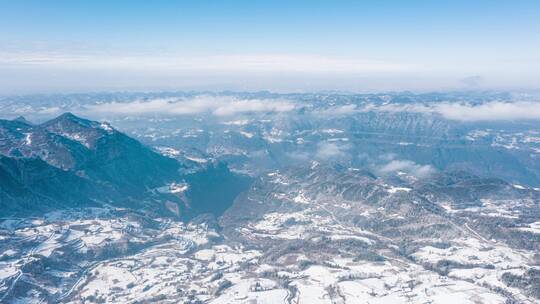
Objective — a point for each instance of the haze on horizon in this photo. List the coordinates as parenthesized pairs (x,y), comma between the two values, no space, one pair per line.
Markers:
(66,46)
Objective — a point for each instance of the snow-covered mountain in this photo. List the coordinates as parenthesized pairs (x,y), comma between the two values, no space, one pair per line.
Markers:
(267,198)
(315,234)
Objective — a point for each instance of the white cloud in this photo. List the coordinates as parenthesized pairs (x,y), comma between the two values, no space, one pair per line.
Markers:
(216,105)
(331,150)
(406,166)
(50,110)
(490,111)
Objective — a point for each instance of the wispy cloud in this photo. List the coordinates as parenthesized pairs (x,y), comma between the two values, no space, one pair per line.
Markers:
(304,63)
(332,150)
(216,105)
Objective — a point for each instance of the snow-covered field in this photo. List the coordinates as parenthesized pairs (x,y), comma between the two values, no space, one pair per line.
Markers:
(291,239)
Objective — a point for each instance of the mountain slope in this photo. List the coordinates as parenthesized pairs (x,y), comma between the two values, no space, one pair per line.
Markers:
(71,162)
(30,185)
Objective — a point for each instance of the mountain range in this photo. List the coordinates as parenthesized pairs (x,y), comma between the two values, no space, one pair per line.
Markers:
(316,198)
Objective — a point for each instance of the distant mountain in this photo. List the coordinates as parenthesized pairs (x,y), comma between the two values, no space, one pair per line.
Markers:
(363,127)
(70,161)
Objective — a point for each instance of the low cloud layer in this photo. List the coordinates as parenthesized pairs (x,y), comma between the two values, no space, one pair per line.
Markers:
(216,105)
(490,111)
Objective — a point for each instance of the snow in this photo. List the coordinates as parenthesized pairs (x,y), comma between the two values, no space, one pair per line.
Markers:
(77,137)
(476,134)
(429,288)
(253,291)
(472,250)
(392,189)
(8,253)
(272,139)
(278,178)
(237,122)
(47,247)
(466,293)
(205,255)
(167,151)
(332,131)
(173,188)
(190,261)
(531,139)
(107,277)
(7,270)
(338,139)
(197,159)
(300,198)
(28,139)
(310,293)
(246,134)
(106,126)
(351,237)
(532,227)
(178,188)
(321,274)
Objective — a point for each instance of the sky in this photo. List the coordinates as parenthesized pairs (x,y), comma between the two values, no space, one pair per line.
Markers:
(283,46)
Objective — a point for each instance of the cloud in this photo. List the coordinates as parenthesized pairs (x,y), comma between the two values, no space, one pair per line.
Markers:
(50,110)
(305,63)
(489,111)
(299,156)
(472,81)
(331,150)
(407,166)
(216,105)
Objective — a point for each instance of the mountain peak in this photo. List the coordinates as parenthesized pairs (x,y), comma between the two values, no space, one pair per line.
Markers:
(68,115)
(23,120)
(69,119)
(68,125)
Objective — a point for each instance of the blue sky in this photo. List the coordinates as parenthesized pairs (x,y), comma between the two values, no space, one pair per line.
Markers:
(275,45)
